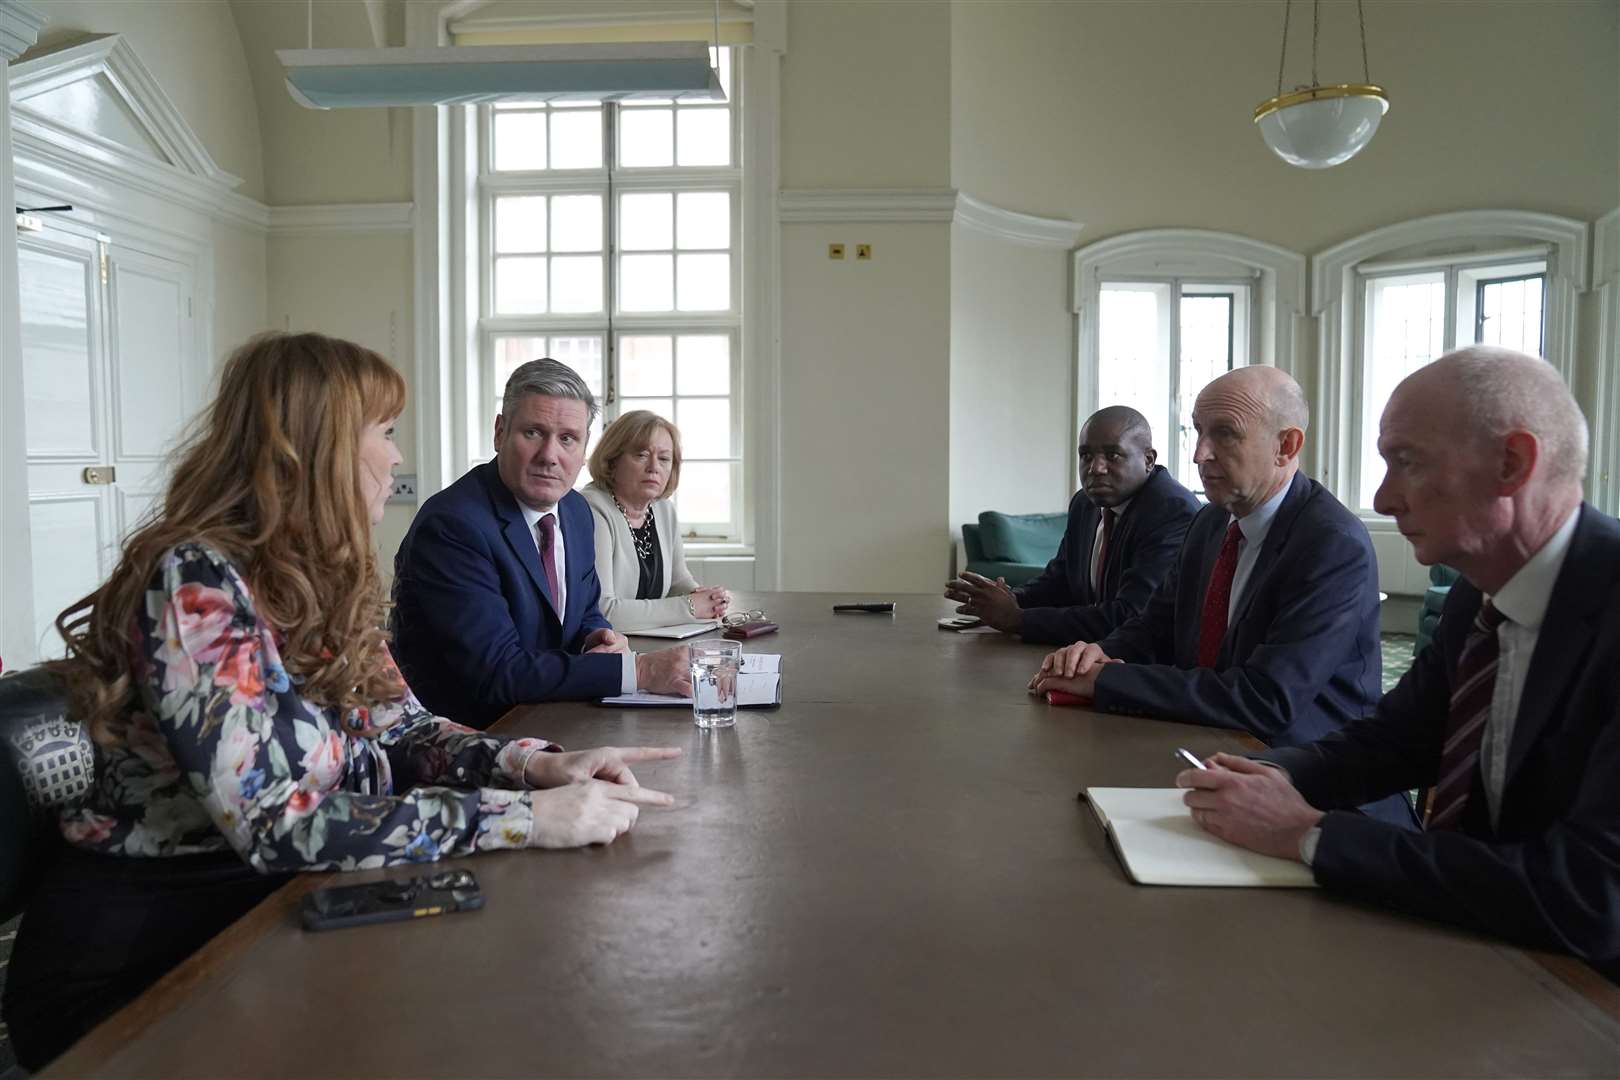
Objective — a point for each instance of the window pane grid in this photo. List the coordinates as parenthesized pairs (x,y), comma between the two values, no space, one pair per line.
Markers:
(543,248)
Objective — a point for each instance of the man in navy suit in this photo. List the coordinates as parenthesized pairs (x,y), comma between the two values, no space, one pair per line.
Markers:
(1269,622)
(495,589)
(1125,527)
(1511,717)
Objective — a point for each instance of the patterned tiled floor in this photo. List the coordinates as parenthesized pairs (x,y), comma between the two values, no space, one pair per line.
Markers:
(1397,657)
(1397,649)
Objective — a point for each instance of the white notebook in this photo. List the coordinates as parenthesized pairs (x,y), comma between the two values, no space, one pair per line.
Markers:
(1159,844)
(759,686)
(682,630)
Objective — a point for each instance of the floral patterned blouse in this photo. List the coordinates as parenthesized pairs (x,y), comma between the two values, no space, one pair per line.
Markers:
(219,752)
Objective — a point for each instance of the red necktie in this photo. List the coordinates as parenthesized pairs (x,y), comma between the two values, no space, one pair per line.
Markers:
(1475,683)
(1217,598)
(548,555)
(1102,549)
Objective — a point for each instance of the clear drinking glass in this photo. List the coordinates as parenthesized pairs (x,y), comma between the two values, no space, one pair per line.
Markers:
(714,682)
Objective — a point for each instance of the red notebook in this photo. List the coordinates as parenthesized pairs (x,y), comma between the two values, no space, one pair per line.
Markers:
(1063,697)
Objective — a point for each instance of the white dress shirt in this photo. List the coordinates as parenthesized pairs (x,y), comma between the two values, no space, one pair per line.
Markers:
(1523,603)
(559,558)
(1255,527)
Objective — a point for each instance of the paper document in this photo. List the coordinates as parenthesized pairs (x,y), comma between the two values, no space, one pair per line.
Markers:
(755,663)
(1159,844)
(756,690)
(683,630)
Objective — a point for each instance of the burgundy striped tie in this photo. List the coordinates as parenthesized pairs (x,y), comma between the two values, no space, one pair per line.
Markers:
(548,554)
(1475,684)
(1218,598)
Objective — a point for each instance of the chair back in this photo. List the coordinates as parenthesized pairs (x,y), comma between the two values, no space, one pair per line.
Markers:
(47,764)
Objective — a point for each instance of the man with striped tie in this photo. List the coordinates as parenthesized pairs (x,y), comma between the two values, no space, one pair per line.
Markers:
(1510,720)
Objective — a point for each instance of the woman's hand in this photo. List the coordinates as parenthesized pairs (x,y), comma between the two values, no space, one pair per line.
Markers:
(709,601)
(589,812)
(610,763)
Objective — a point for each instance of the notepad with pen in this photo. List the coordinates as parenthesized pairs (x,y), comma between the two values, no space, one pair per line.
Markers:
(1159,843)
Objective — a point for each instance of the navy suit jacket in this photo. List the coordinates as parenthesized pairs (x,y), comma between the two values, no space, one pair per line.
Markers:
(1060,606)
(476,629)
(1300,658)
(1548,874)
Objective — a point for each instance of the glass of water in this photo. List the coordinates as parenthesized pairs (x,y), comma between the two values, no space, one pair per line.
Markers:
(714,682)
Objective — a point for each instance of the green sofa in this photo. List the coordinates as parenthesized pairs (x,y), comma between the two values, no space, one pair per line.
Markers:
(1012,546)
(1440,579)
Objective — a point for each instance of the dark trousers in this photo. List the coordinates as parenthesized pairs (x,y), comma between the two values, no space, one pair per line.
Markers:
(102,928)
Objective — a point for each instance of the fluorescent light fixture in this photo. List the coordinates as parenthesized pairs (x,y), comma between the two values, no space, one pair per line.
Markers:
(474,74)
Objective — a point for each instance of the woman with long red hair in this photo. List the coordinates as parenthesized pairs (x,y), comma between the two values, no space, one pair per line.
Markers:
(247,717)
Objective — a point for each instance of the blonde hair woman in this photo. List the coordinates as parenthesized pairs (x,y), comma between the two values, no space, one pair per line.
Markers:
(640,562)
(246,712)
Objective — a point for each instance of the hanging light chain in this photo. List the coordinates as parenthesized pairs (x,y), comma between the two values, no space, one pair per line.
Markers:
(1366,72)
(1288,7)
(1316,30)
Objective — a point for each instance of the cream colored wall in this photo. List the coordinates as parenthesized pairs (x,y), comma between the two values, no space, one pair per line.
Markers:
(193,49)
(866,94)
(241,286)
(321,156)
(865,384)
(1129,115)
(1012,378)
(865,348)
(355,286)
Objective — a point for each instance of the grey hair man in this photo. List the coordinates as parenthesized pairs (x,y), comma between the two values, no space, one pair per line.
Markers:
(1510,718)
(495,587)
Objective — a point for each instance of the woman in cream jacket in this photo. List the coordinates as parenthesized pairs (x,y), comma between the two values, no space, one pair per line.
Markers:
(639,559)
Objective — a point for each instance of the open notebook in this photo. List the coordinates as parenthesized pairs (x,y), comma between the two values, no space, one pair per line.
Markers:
(1159,844)
(759,686)
(682,630)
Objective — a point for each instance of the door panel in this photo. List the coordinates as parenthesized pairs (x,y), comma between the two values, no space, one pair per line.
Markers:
(59,347)
(149,354)
(67,533)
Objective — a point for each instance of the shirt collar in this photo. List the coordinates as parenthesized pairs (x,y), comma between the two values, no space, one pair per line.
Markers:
(1119,511)
(1257,524)
(531,516)
(1524,598)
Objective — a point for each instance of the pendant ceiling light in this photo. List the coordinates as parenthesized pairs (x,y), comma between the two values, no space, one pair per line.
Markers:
(1319,126)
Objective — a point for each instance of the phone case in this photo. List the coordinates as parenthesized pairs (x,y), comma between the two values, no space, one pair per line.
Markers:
(445,892)
(749,630)
(1063,697)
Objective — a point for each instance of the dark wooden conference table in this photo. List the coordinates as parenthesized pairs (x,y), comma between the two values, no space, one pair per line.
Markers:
(888,876)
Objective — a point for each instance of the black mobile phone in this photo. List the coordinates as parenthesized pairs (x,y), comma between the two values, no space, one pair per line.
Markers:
(877,607)
(440,893)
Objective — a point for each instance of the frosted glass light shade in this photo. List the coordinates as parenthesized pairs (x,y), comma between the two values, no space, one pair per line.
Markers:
(1321,126)
(475,74)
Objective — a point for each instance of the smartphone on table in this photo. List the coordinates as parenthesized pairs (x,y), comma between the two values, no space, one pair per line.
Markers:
(443,892)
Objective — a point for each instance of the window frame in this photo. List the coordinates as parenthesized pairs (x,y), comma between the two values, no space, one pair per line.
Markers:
(1275,275)
(611,182)
(1464,238)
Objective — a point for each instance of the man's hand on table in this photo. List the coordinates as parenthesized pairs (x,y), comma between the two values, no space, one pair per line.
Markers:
(667,671)
(606,640)
(1072,669)
(991,601)
(1249,804)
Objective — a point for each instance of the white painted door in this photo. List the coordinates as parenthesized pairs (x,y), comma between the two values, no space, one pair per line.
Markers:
(107,386)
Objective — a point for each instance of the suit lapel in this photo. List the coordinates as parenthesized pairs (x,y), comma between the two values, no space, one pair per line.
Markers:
(1266,561)
(1090,516)
(1576,607)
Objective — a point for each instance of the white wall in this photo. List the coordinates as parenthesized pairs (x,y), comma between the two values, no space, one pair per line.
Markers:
(865,345)
(1012,378)
(193,48)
